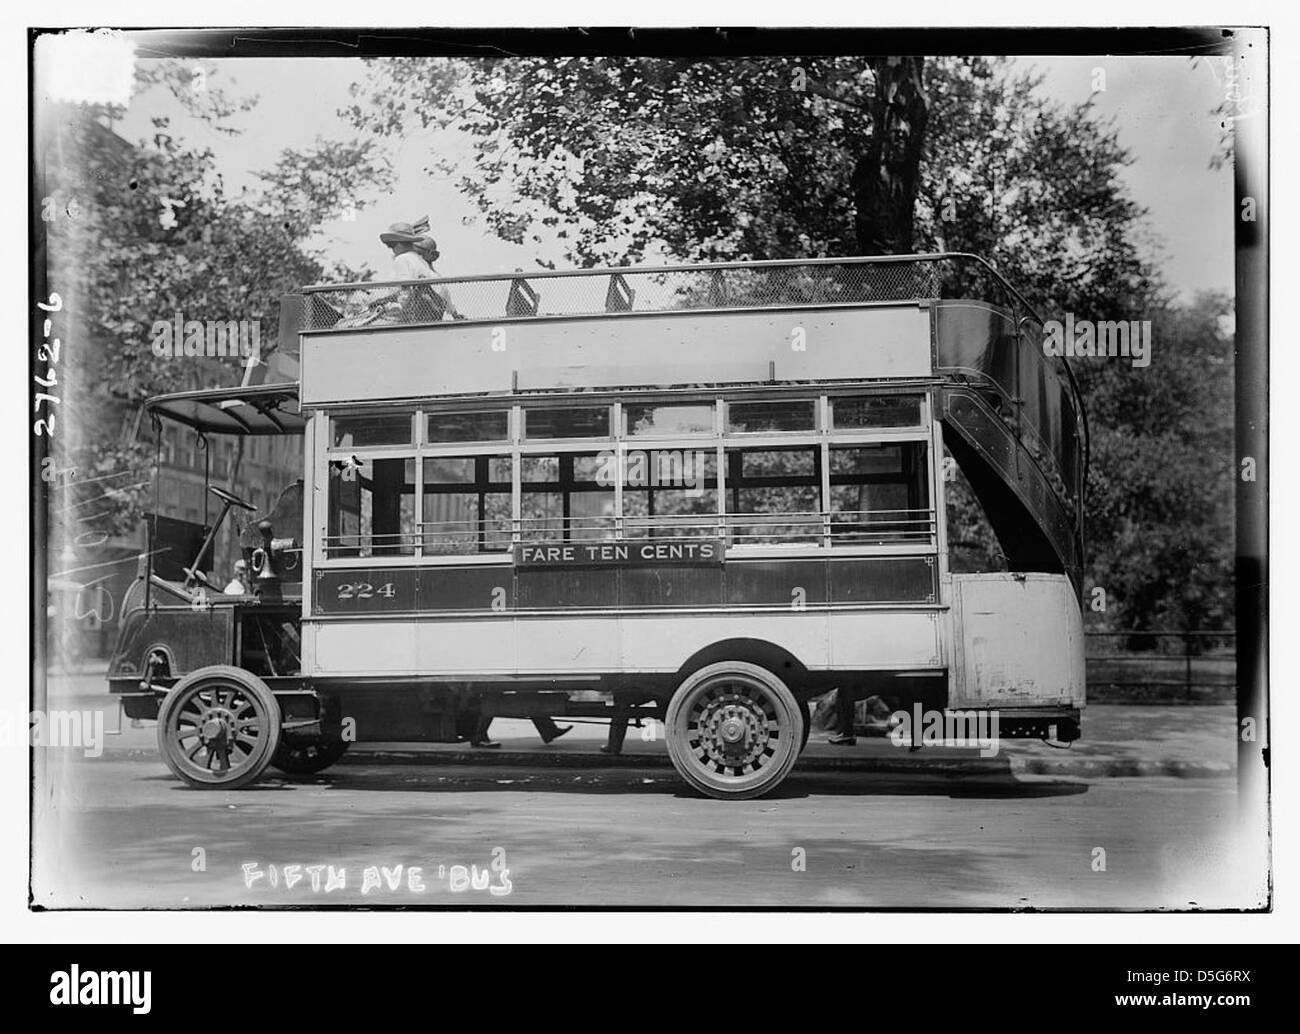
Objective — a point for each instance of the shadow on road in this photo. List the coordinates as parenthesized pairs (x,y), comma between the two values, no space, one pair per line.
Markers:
(990,786)
(354,778)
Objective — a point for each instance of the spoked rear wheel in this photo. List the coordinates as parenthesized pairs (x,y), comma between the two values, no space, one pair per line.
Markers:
(219,727)
(734,730)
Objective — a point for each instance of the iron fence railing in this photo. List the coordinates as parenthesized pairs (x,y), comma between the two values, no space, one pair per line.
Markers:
(1165,665)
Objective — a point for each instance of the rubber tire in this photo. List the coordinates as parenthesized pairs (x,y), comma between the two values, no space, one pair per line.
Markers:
(677,732)
(806,713)
(308,760)
(264,704)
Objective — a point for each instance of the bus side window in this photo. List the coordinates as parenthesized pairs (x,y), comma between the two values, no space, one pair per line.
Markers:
(879,494)
(670,493)
(466,505)
(566,497)
(371,508)
(774,495)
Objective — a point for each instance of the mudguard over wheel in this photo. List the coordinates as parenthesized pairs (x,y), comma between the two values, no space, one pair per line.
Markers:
(219,727)
(308,759)
(734,730)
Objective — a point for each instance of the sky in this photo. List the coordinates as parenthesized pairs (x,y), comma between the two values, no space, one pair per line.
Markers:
(1162,107)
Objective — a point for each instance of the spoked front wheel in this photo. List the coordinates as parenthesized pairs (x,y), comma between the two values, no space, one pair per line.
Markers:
(734,730)
(219,727)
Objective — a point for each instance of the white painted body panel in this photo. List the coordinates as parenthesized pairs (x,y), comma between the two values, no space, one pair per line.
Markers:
(577,644)
(890,341)
(1018,641)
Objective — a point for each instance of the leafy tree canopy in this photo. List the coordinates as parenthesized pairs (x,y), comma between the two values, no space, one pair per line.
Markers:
(153,230)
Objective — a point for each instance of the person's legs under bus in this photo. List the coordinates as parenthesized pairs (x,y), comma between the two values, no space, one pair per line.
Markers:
(845,699)
(486,712)
(548,730)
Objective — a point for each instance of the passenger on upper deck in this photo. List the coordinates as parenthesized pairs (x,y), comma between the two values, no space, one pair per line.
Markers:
(413,253)
(427,248)
(401,239)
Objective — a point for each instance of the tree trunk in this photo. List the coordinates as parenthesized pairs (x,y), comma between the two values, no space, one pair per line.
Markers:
(886,178)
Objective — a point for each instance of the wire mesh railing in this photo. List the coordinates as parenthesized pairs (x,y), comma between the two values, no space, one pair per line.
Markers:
(778,284)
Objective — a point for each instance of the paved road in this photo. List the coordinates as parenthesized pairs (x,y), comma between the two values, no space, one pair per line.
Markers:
(119,831)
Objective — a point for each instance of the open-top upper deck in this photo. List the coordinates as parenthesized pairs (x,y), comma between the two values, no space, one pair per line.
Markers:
(861,319)
(547,294)
(949,319)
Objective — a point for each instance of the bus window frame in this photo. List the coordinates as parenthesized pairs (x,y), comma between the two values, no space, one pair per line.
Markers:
(482,488)
(516,447)
(369,456)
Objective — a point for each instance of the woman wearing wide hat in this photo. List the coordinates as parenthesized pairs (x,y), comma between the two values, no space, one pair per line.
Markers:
(413,251)
(401,239)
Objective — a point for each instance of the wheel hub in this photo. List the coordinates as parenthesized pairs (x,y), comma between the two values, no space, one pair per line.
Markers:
(733,730)
(213,721)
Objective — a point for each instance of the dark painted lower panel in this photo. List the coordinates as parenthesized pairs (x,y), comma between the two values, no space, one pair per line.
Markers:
(465,588)
(566,588)
(365,590)
(738,583)
(884,580)
(671,586)
(789,583)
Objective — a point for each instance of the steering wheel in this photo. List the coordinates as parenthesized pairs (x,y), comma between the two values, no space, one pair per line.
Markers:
(227,497)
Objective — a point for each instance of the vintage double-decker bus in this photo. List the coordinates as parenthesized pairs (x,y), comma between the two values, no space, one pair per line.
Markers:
(699,494)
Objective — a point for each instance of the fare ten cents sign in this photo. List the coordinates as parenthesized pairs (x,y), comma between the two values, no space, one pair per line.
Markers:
(697,552)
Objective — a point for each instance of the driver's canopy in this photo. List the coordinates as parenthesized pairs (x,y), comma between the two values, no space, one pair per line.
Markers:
(251,411)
